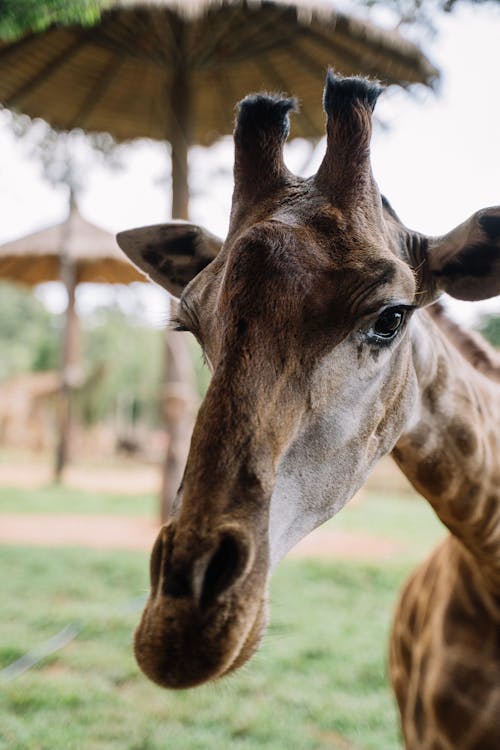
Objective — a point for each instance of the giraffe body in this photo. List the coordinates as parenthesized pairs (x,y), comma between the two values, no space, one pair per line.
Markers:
(445,644)
(312,317)
(445,655)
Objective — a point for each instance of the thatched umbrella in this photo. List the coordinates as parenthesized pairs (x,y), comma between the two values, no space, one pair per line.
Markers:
(173,69)
(93,253)
(73,252)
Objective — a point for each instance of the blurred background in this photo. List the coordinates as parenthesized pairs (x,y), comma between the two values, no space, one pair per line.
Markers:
(119,114)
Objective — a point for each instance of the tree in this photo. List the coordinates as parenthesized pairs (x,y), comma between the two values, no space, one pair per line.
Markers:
(116,345)
(29,337)
(20,16)
(127,355)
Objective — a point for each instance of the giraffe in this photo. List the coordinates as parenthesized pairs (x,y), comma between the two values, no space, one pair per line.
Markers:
(312,316)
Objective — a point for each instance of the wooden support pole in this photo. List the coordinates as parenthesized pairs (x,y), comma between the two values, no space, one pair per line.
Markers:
(179,392)
(70,367)
(70,352)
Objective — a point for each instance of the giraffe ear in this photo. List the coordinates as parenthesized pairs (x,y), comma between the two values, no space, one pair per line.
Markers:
(171,254)
(466,262)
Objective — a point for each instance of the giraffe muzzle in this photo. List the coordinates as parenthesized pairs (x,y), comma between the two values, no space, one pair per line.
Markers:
(205,607)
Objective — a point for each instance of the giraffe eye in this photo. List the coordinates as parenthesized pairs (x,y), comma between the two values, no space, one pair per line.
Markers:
(388,324)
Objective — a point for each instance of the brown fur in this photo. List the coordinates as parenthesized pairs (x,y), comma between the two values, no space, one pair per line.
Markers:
(445,655)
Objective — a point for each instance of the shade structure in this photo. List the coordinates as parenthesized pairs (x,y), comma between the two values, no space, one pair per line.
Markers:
(36,258)
(73,252)
(174,69)
(118,75)
(121,75)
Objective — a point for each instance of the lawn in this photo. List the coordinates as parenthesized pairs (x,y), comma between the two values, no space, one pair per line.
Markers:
(318,682)
(408,520)
(61,499)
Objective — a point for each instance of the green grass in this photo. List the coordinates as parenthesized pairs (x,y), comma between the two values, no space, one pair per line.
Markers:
(409,521)
(61,499)
(318,682)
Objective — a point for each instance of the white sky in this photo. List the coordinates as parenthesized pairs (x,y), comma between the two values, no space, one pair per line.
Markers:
(438,159)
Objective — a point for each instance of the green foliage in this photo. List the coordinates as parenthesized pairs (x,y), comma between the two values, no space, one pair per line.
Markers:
(126,357)
(122,356)
(29,335)
(18,17)
(490,328)
(129,361)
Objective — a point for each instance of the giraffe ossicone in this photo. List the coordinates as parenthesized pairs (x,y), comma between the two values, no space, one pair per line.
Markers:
(312,316)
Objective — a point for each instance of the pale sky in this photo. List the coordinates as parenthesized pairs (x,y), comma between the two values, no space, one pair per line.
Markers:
(437,159)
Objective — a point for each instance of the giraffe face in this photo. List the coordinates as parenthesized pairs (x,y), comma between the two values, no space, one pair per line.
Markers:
(304,316)
(306,332)
(305,325)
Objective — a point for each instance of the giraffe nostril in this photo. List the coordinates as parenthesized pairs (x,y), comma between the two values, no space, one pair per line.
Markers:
(224,567)
(177,576)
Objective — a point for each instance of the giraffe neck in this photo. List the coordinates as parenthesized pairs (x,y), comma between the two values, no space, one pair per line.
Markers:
(451,450)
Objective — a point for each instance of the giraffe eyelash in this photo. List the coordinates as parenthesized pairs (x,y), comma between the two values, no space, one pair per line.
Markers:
(176,324)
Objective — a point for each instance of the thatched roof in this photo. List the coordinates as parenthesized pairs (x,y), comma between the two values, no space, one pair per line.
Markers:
(119,75)
(35,258)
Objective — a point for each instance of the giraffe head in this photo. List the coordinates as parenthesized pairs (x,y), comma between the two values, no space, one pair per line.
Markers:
(304,315)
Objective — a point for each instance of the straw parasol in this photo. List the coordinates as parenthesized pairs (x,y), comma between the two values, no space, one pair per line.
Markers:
(173,69)
(35,258)
(73,252)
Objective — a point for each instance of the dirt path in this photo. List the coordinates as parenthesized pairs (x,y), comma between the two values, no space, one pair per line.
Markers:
(123,532)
